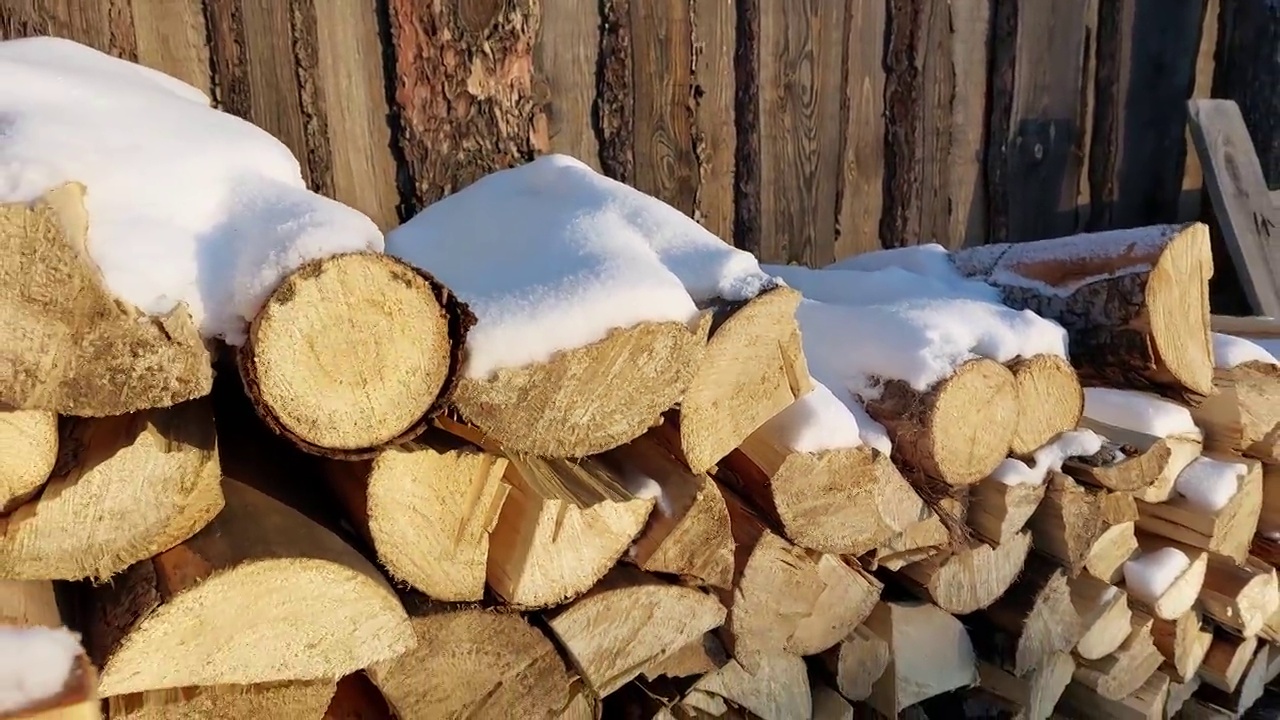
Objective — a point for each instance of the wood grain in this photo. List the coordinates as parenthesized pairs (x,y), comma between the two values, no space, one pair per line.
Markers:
(106,25)
(746,120)
(801,46)
(714,34)
(615,99)
(860,183)
(172,38)
(1191,204)
(567,53)
(970,22)
(662,87)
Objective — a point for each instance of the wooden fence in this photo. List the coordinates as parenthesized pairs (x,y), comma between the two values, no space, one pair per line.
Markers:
(805,130)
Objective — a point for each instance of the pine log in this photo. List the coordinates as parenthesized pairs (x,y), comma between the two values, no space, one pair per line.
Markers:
(30,442)
(1135,303)
(845,501)
(1105,618)
(1111,551)
(1038,692)
(1135,462)
(1228,658)
(1183,450)
(1073,517)
(368,389)
(1148,702)
(1030,623)
(1179,694)
(959,430)
(753,368)
(31,606)
(124,489)
(699,657)
(787,599)
(468,661)
(427,509)
(72,347)
(857,662)
(971,578)
(777,690)
(1248,690)
(1183,642)
(303,700)
(999,511)
(1050,402)
(1243,416)
(1240,597)
(929,654)
(918,541)
(1228,531)
(688,532)
(1124,671)
(627,622)
(1183,592)
(563,525)
(217,597)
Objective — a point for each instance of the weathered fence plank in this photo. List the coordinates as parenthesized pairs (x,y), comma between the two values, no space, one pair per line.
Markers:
(714,34)
(662,87)
(1248,72)
(172,38)
(860,192)
(567,53)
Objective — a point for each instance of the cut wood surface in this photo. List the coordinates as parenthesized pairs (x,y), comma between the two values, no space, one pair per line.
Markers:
(857,662)
(1050,401)
(1148,702)
(998,511)
(752,369)
(1073,517)
(959,430)
(1248,690)
(1129,461)
(632,376)
(303,700)
(698,657)
(427,508)
(1181,595)
(72,347)
(125,488)
(1228,658)
(1037,692)
(1030,623)
(1104,617)
(472,662)
(777,690)
(1244,415)
(971,578)
(1135,303)
(217,596)
(1240,597)
(930,654)
(1111,551)
(1183,642)
(393,342)
(1227,531)
(1121,673)
(30,440)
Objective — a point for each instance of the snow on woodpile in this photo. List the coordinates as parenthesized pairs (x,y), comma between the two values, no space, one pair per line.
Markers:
(1138,411)
(1148,575)
(186,203)
(1230,351)
(821,421)
(1074,443)
(1209,484)
(35,663)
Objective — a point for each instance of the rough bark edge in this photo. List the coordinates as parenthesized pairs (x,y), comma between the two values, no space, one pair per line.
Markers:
(899,220)
(746,122)
(460,320)
(613,111)
(315,122)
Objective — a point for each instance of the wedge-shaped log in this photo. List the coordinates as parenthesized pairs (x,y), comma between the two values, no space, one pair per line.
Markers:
(1227,660)
(1243,416)
(1124,671)
(1037,692)
(1164,579)
(857,662)
(47,676)
(930,654)
(1148,702)
(1226,529)
(1183,642)
(1130,461)
(1030,623)
(999,511)
(1105,618)
(1240,597)
(777,690)
(30,440)
(1073,517)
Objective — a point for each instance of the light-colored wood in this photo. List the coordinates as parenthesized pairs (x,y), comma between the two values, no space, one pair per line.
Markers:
(567,54)
(1030,623)
(1250,687)
(929,654)
(1183,592)
(72,347)
(917,542)
(30,440)
(217,596)
(1148,702)
(1243,416)
(125,488)
(172,37)
(1228,531)
(1111,551)
(1129,461)
(777,690)
(369,389)
(998,511)
(1179,694)
(472,662)
(828,704)
(1050,402)
(971,578)
(1073,517)
(698,657)
(29,608)
(1228,658)
(627,622)
(1104,617)
(1240,597)
(304,700)
(1038,691)
(427,508)
(1124,671)
(1183,450)
(1183,642)
(857,662)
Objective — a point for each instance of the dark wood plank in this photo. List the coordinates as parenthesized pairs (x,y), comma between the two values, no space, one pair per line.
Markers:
(970,59)
(1146,64)
(714,32)
(746,119)
(172,38)
(105,25)
(567,54)
(464,90)
(1248,72)
(860,184)
(1190,206)
(801,46)
(615,99)
(662,88)
(904,95)
(1040,115)
(1250,221)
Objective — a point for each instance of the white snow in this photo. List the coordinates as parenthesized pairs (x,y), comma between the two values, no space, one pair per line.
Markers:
(552,256)
(886,285)
(1139,412)
(35,663)
(1149,575)
(1271,345)
(643,487)
(186,203)
(1230,351)
(816,422)
(929,260)
(1209,484)
(1141,245)
(1073,443)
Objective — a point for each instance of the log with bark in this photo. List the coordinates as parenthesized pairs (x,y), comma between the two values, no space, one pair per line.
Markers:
(30,440)
(1227,529)
(1135,302)
(1050,402)
(930,653)
(1072,518)
(124,489)
(1243,416)
(1131,461)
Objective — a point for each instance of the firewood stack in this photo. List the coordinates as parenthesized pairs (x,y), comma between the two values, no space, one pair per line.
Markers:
(559,453)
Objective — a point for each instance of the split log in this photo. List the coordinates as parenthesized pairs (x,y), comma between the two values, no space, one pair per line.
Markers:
(1105,618)
(1073,517)
(1227,530)
(1030,623)
(777,690)
(72,347)
(1124,671)
(846,500)
(1180,593)
(1248,690)
(1228,658)
(563,525)
(124,489)
(971,578)
(857,662)
(753,368)
(1269,517)
(1135,462)
(368,389)
(699,657)
(1179,694)
(929,654)
(959,430)
(1240,597)
(1243,417)
(1111,551)
(471,662)
(1134,302)
(303,700)
(1050,402)
(1148,702)
(1038,692)
(1183,642)
(785,598)
(30,440)
(1196,708)
(828,704)
(627,622)
(999,511)
(427,509)
(217,597)
(581,706)
(55,681)
(917,542)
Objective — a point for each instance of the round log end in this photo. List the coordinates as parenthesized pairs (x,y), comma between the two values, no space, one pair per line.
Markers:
(350,353)
(30,442)
(631,377)
(1177,295)
(1050,401)
(972,579)
(970,419)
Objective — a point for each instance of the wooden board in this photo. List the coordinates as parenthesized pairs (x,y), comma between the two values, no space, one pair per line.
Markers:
(662,86)
(566,54)
(715,142)
(861,193)
(1246,72)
